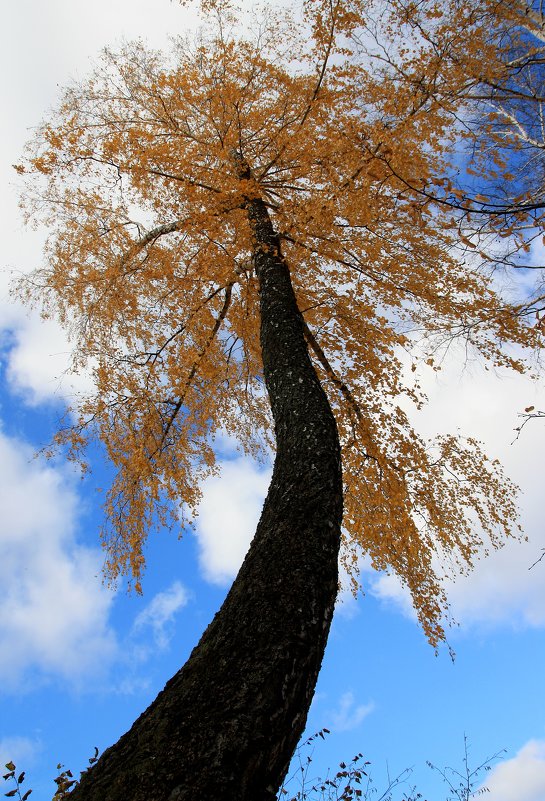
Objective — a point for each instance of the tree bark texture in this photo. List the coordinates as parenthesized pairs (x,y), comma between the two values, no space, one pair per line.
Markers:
(225,726)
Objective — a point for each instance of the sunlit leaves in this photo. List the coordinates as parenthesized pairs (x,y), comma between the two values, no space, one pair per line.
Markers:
(149,262)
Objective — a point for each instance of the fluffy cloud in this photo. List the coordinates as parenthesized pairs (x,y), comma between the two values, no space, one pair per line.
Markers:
(38,362)
(390,590)
(20,750)
(53,608)
(521,778)
(501,589)
(35,352)
(228,515)
(349,714)
(159,614)
(63,40)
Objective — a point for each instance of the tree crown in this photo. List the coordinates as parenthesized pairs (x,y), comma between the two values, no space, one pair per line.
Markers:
(149,264)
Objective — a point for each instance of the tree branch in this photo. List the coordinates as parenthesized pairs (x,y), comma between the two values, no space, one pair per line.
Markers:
(195,367)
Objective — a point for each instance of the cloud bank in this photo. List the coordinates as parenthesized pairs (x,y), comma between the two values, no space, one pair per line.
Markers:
(501,590)
(53,611)
(521,778)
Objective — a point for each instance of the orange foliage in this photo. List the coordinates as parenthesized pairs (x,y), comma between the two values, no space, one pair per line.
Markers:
(149,264)
(483,65)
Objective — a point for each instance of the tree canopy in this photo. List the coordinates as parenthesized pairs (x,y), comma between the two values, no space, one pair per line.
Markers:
(148,263)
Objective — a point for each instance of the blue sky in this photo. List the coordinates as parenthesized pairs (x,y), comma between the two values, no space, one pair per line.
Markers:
(79,662)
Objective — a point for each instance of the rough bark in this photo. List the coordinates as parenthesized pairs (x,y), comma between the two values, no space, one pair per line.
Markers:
(225,726)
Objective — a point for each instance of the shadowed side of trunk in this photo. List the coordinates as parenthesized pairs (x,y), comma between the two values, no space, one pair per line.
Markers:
(225,726)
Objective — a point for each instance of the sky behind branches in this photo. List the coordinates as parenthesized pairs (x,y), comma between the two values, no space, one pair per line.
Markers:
(79,662)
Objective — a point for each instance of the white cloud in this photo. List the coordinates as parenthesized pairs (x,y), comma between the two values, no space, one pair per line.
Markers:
(22,751)
(38,362)
(388,588)
(228,515)
(36,352)
(521,778)
(53,608)
(349,714)
(501,590)
(63,37)
(63,40)
(161,611)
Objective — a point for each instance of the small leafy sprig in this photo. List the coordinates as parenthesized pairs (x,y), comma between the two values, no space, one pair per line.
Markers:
(11,775)
(466,783)
(64,780)
(351,782)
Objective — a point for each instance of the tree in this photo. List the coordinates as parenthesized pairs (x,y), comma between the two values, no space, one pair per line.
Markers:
(234,224)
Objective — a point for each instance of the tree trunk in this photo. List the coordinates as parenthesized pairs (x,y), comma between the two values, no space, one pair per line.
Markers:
(225,726)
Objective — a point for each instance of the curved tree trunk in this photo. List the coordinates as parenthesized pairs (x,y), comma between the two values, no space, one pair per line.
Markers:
(225,726)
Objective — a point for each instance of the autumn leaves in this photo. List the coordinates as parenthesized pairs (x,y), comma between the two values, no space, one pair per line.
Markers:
(149,258)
